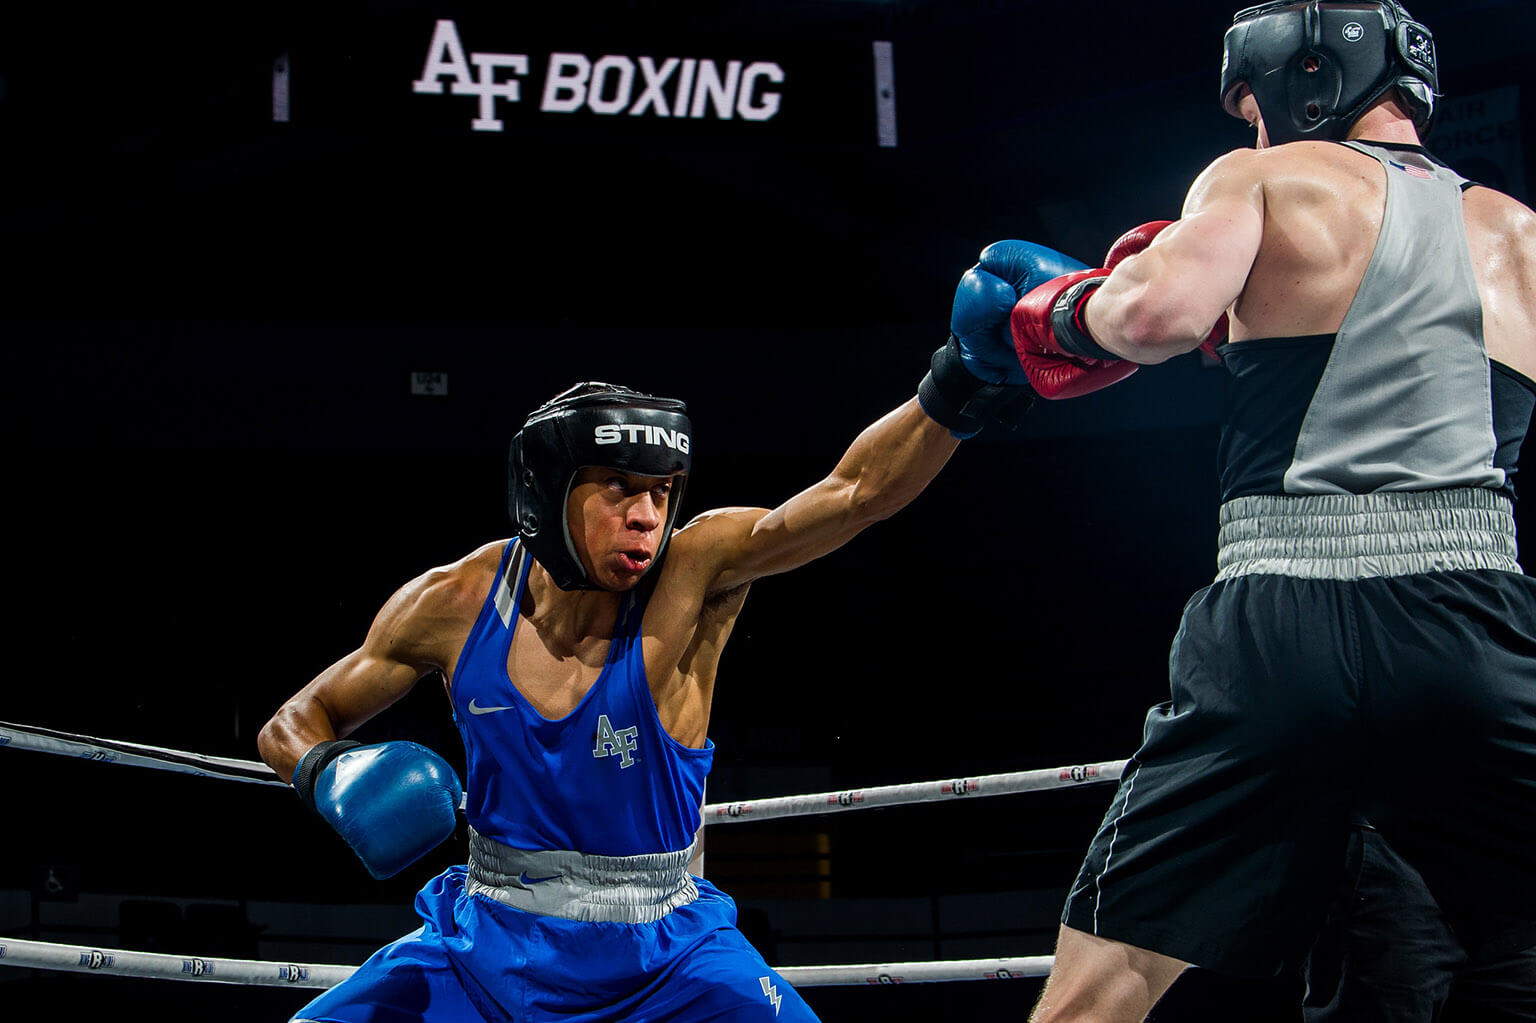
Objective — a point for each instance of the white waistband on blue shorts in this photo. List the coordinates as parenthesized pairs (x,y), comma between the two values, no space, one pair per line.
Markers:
(581,886)
(1362,536)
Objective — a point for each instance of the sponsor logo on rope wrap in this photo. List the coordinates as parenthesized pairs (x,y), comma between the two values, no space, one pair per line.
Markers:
(292,974)
(94,960)
(103,755)
(733,810)
(2,951)
(884,978)
(848,798)
(197,967)
(960,786)
(5,739)
(1081,773)
(1002,975)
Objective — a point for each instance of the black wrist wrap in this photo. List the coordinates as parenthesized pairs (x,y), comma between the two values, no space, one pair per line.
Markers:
(958,399)
(1069,331)
(313,762)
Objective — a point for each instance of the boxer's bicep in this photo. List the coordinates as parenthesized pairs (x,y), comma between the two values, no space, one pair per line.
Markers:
(1169,296)
(888,464)
(418,631)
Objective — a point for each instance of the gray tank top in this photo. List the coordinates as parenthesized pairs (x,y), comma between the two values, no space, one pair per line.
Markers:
(1404,401)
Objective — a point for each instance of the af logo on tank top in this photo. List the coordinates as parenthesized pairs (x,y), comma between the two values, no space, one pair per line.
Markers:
(611,743)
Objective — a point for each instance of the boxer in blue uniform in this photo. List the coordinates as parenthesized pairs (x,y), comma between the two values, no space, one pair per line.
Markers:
(580,666)
(1368,648)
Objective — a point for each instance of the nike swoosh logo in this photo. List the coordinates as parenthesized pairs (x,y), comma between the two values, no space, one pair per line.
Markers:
(484,710)
(524,880)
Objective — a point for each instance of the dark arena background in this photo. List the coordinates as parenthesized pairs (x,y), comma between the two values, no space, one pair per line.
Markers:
(277,298)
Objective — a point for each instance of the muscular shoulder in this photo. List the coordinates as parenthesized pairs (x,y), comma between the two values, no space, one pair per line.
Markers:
(454,591)
(425,622)
(700,549)
(1293,171)
(1239,168)
(709,532)
(1505,218)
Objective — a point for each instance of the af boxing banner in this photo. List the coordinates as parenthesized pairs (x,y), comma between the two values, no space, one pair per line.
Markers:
(490,75)
(607,85)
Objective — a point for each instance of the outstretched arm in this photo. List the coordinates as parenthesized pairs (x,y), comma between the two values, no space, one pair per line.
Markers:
(1164,301)
(887,465)
(974,379)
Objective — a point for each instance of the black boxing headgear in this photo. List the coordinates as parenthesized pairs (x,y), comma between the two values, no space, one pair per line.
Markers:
(590,424)
(1315,67)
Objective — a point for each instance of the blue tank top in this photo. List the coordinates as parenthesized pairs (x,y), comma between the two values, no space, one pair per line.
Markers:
(605,779)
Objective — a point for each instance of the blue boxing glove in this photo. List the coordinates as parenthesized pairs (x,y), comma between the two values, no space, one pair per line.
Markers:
(1007,271)
(977,378)
(392,802)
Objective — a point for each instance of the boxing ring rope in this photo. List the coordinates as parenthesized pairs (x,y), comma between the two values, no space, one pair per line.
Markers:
(45,955)
(913,792)
(115,751)
(81,959)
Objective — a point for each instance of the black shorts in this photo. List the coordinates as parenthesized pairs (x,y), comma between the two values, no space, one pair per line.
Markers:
(1387,954)
(1299,704)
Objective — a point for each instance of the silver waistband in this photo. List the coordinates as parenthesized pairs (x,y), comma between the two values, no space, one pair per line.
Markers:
(581,886)
(1361,536)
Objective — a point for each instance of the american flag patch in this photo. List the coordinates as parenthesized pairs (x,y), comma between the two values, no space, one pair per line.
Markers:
(1418,172)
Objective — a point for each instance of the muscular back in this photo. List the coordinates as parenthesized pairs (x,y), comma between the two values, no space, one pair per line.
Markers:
(1323,206)
(1502,235)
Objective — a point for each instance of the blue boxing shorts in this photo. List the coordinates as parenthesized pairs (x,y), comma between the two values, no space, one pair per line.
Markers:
(474,958)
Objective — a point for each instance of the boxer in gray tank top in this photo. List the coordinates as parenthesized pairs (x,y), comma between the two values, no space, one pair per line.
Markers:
(1368,648)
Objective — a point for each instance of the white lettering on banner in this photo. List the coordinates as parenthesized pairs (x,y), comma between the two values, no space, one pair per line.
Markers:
(565,85)
(768,105)
(655,79)
(445,57)
(691,87)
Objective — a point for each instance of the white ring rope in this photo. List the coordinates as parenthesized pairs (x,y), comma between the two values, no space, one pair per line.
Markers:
(912,792)
(115,751)
(80,959)
(46,955)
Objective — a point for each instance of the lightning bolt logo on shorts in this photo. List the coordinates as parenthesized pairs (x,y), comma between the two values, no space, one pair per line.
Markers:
(772,992)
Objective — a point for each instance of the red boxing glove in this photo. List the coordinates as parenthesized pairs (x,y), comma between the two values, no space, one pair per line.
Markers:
(1047,333)
(1217,335)
(1132,242)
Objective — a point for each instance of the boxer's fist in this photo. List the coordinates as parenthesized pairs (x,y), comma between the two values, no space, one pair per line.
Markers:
(985,298)
(1048,335)
(976,378)
(392,802)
